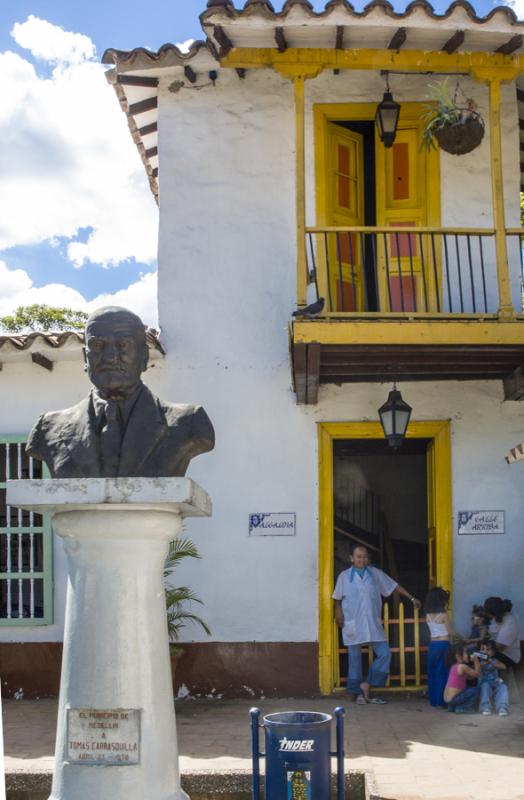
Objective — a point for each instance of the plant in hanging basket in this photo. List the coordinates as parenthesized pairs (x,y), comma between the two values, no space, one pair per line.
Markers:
(457,129)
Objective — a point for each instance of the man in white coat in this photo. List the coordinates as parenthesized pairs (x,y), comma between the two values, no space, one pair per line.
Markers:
(358,611)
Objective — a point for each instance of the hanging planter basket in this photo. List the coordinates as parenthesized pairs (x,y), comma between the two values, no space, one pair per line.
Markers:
(461,137)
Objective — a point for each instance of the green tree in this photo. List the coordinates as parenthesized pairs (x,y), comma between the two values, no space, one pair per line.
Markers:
(38,317)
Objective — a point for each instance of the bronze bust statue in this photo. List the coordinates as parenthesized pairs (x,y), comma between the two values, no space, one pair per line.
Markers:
(120,429)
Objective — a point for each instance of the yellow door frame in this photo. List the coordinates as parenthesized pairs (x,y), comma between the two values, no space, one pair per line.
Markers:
(411,115)
(439,431)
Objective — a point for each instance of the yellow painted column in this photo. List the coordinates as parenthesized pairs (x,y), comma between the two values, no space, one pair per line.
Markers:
(300,190)
(497,189)
(328,644)
(443,506)
(298,74)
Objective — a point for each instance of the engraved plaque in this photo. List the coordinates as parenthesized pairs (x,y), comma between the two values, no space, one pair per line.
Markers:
(103,737)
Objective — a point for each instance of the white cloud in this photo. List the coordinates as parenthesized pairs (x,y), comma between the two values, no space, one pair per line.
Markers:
(184,46)
(52,43)
(12,284)
(17,289)
(516,5)
(67,160)
(140,297)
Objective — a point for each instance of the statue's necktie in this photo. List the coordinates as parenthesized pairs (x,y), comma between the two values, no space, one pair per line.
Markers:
(111,440)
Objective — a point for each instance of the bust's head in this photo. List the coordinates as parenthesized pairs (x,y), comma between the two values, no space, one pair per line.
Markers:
(116,351)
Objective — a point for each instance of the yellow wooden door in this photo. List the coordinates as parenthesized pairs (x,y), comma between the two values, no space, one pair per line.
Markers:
(408,263)
(345,209)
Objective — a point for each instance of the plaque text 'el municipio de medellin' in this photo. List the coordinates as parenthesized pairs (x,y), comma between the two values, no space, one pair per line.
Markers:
(103,737)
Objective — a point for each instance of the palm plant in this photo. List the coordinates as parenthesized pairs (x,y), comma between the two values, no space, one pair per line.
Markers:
(177,597)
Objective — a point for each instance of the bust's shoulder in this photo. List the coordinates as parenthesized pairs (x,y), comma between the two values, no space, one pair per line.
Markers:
(51,428)
(52,419)
(175,411)
(181,413)
(190,420)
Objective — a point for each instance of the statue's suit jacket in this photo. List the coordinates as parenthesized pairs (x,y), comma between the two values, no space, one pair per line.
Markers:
(160,439)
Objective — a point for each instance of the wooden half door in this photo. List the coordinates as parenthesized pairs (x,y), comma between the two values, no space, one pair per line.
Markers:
(406,189)
(345,210)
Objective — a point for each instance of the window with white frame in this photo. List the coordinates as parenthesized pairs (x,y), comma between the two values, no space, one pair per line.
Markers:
(26,545)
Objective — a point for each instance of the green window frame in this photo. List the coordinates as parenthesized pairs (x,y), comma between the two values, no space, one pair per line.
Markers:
(26,545)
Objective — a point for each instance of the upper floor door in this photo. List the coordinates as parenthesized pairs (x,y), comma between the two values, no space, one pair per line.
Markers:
(408,194)
(346,210)
(362,184)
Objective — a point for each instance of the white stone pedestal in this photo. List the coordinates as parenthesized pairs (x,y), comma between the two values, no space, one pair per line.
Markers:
(116,653)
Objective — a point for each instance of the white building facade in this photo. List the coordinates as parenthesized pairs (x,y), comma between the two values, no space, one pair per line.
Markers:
(274,189)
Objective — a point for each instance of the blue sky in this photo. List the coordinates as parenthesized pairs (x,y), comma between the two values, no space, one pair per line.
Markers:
(80,223)
(110,23)
(128,23)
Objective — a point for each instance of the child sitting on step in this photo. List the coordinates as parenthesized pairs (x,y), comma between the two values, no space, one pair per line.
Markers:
(460,698)
(492,687)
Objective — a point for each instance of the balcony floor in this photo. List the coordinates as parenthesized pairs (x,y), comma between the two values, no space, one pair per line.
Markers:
(361,350)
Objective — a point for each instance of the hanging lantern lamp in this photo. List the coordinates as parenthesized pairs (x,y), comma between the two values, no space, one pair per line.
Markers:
(394,418)
(386,117)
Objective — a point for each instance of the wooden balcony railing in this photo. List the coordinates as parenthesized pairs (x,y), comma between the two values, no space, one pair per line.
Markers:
(407,270)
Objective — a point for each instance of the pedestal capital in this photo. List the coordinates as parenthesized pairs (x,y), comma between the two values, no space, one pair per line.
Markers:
(179,495)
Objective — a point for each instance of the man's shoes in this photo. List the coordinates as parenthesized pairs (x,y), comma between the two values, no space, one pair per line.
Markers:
(503,712)
(361,700)
(377,701)
(486,713)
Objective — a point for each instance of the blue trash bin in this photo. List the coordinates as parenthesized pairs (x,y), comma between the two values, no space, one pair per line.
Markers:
(298,755)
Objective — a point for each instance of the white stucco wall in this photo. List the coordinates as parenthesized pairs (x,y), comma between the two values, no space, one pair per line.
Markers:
(226,291)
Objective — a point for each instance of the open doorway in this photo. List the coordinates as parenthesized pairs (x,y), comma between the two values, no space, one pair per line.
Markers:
(381,501)
(399,505)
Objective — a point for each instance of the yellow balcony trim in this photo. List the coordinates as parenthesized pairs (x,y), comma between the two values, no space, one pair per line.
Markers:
(406,316)
(405,230)
(410,332)
(495,65)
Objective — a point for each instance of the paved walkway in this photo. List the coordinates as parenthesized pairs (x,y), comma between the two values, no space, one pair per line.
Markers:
(414,752)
